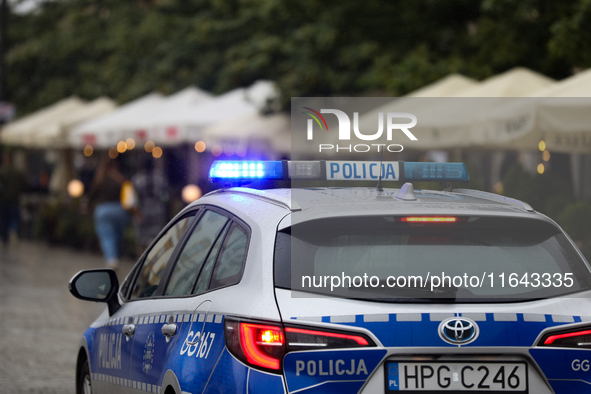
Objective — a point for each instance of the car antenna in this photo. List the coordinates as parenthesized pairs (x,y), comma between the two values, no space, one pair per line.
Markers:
(379,188)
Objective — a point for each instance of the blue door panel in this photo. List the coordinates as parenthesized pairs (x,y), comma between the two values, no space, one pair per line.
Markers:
(561,387)
(567,370)
(109,352)
(264,383)
(193,364)
(229,376)
(151,351)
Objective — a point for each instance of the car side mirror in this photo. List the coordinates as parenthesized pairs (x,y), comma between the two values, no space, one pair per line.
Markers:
(98,285)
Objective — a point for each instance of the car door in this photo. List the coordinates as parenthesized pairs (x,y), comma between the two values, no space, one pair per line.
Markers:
(227,271)
(110,354)
(210,260)
(222,269)
(112,343)
(164,319)
(146,316)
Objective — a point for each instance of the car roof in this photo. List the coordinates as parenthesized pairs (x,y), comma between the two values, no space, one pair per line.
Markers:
(319,202)
(345,197)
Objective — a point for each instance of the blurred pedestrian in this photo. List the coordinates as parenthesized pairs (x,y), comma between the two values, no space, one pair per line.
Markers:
(152,191)
(12,184)
(110,218)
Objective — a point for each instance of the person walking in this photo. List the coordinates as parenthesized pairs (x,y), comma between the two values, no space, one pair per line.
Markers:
(151,216)
(12,184)
(110,218)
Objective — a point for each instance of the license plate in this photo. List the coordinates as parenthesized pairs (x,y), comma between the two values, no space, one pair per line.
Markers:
(467,377)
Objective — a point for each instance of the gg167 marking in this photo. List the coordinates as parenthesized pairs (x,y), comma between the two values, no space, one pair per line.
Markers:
(197,345)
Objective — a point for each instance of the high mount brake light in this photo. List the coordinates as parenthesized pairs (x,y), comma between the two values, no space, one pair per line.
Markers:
(430,219)
(574,339)
(263,345)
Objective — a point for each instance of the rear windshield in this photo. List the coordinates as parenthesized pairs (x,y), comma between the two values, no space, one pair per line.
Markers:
(475,259)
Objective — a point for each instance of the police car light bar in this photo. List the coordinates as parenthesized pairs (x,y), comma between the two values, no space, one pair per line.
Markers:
(325,170)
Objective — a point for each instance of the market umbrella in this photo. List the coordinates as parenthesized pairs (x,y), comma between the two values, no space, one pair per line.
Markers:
(162,126)
(559,114)
(107,130)
(55,134)
(461,121)
(185,123)
(445,87)
(516,82)
(22,131)
(418,100)
(564,114)
(252,130)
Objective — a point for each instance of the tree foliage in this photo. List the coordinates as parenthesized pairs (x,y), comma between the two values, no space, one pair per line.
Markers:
(124,49)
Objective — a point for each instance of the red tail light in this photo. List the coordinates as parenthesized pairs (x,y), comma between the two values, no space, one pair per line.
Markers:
(576,339)
(263,345)
(260,345)
(304,339)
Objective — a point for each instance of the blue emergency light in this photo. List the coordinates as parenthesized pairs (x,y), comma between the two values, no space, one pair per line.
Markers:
(245,170)
(338,170)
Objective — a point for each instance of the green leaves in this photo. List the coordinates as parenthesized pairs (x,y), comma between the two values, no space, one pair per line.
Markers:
(124,49)
(572,34)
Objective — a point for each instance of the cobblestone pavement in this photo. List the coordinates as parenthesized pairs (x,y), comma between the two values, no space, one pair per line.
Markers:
(40,321)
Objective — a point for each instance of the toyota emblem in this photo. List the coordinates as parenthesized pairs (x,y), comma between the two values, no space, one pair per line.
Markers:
(458,330)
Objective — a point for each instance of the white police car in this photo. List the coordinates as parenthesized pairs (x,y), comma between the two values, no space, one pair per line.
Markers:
(344,290)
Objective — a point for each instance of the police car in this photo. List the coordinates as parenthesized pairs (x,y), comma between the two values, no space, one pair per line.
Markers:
(344,290)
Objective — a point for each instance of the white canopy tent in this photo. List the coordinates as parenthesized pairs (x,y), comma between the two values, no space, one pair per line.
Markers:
(461,121)
(517,82)
(173,120)
(564,114)
(49,128)
(559,114)
(55,134)
(252,130)
(445,87)
(107,130)
(577,85)
(188,122)
(159,125)
(23,131)
(419,100)
(561,118)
